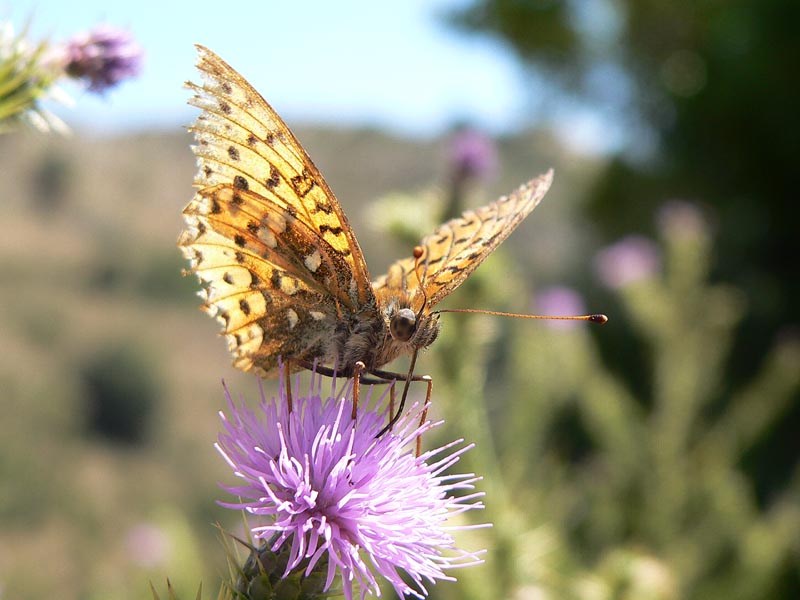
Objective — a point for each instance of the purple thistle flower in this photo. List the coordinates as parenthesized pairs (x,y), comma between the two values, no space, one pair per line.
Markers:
(631,259)
(337,493)
(103,57)
(472,154)
(559,301)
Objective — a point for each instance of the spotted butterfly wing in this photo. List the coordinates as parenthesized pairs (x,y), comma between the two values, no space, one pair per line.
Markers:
(452,252)
(280,266)
(265,233)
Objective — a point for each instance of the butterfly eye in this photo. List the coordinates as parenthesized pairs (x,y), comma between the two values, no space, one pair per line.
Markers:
(403,324)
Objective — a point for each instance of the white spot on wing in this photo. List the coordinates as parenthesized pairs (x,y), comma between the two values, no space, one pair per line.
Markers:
(266,236)
(312,261)
(353,289)
(288,286)
(293,318)
(276,222)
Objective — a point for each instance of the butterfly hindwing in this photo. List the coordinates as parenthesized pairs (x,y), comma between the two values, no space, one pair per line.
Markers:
(260,283)
(456,248)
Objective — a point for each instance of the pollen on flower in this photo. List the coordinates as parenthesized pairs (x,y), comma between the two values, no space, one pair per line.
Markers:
(342,499)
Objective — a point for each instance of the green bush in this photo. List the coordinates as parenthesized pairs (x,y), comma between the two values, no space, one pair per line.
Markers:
(122,393)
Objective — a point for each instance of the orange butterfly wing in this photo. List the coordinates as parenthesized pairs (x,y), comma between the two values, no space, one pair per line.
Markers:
(265,233)
(456,248)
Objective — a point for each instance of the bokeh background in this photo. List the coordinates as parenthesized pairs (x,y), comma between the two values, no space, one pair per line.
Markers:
(654,457)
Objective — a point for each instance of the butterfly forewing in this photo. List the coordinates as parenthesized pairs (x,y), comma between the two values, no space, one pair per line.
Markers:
(457,247)
(280,263)
(244,144)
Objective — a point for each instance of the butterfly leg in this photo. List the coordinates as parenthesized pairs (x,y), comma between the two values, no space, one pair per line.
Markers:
(287,382)
(379,377)
(391,397)
(408,379)
(359,367)
(424,414)
(328,372)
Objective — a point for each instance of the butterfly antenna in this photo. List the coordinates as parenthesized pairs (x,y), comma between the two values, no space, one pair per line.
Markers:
(419,251)
(597,318)
(357,370)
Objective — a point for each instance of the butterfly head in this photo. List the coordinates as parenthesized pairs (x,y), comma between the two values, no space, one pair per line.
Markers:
(403,325)
(414,329)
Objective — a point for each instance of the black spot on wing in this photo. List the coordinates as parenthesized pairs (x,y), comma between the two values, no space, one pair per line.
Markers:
(303,183)
(274,178)
(335,230)
(323,207)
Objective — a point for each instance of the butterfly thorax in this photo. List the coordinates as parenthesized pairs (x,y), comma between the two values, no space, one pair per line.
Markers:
(378,337)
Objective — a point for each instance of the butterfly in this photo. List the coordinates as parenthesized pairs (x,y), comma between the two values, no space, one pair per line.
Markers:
(281,268)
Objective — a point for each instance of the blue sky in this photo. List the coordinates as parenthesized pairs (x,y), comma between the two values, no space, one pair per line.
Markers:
(395,66)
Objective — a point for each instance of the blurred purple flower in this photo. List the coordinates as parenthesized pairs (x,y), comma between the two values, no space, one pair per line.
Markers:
(560,301)
(679,218)
(336,491)
(631,259)
(148,545)
(103,57)
(472,155)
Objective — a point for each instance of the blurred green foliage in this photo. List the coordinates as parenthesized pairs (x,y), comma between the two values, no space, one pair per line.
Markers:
(705,94)
(122,393)
(664,447)
(597,491)
(51,181)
